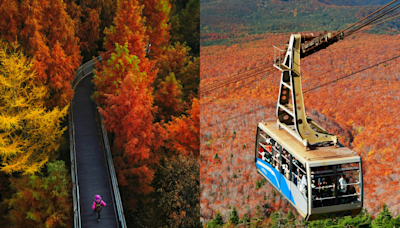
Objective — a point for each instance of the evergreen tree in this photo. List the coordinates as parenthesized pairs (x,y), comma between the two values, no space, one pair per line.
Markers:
(395,222)
(383,219)
(216,222)
(218,219)
(168,98)
(290,217)
(362,220)
(234,218)
(245,219)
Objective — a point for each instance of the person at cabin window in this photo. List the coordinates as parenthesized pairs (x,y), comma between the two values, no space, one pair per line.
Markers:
(284,168)
(269,154)
(333,191)
(324,192)
(277,166)
(294,176)
(303,185)
(276,146)
(315,194)
(352,191)
(285,157)
(295,162)
(276,153)
(343,187)
(343,184)
(261,153)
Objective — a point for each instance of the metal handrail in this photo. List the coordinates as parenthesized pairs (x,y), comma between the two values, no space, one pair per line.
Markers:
(83,71)
(74,171)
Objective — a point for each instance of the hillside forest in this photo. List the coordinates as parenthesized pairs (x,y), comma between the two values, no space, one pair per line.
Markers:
(360,109)
(147,89)
(226,22)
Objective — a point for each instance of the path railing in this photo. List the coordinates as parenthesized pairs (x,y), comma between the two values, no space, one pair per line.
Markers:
(74,171)
(83,71)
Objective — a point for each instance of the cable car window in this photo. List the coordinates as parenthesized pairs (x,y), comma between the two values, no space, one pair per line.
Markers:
(349,180)
(299,176)
(279,158)
(265,150)
(335,184)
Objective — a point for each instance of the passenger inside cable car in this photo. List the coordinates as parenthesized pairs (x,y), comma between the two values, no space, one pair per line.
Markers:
(335,185)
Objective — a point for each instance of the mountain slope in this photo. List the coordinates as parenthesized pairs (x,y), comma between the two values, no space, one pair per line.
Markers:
(238,18)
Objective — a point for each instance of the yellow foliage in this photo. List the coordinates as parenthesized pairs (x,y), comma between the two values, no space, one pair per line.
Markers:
(29,133)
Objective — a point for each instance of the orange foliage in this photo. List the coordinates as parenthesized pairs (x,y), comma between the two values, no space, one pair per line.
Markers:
(183,133)
(168,98)
(45,31)
(156,13)
(129,28)
(86,18)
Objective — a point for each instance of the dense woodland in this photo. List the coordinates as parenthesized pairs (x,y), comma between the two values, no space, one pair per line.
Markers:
(359,109)
(146,85)
(224,22)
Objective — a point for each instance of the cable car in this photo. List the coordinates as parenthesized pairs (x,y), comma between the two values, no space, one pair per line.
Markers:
(319,176)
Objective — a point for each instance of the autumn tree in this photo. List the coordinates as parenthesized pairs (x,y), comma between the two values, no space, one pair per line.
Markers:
(128,114)
(179,188)
(168,98)
(46,32)
(86,16)
(91,18)
(5,193)
(190,79)
(183,132)
(41,201)
(128,28)
(156,14)
(176,59)
(29,132)
(185,24)
(173,60)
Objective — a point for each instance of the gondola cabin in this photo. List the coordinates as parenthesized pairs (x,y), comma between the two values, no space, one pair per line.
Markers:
(323,181)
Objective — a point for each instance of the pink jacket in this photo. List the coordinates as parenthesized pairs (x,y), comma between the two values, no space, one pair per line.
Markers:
(103,204)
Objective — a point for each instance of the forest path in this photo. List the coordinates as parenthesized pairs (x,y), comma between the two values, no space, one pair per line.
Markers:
(93,175)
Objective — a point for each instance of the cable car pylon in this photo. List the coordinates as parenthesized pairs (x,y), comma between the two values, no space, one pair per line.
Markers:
(290,110)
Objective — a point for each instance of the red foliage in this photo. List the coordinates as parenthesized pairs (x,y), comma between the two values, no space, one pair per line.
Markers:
(86,18)
(45,31)
(129,28)
(156,13)
(168,98)
(134,136)
(183,133)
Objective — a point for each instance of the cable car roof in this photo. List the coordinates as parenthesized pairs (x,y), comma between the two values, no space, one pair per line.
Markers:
(320,156)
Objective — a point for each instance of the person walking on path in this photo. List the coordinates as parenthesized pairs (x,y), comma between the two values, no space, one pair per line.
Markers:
(97,205)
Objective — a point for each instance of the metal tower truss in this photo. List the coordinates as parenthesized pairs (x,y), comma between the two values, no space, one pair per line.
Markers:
(290,108)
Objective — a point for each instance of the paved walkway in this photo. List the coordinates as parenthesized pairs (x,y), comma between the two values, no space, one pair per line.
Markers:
(93,177)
